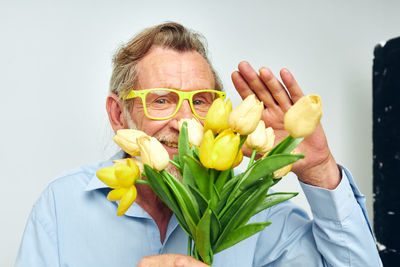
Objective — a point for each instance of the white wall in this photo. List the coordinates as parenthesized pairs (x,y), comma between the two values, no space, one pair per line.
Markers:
(56,62)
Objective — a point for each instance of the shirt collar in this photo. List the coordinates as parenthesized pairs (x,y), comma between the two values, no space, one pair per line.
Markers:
(94,182)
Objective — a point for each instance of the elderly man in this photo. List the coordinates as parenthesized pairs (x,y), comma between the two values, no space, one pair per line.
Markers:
(73,224)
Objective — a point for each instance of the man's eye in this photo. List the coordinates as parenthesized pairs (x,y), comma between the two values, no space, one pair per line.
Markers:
(161,101)
(198,102)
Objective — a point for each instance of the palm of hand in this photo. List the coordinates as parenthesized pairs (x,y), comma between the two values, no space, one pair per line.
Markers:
(278,98)
(315,146)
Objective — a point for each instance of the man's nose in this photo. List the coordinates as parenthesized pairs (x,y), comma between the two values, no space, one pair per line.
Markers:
(184,112)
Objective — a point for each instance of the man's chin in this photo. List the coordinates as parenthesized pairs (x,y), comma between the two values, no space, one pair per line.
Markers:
(172,150)
(174,172)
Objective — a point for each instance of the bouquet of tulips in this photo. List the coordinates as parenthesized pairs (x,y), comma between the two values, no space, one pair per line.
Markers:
(211,202)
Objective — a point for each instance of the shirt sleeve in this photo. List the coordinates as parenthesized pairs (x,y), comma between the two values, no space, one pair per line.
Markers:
(338,235)
(39,242)
(341,225)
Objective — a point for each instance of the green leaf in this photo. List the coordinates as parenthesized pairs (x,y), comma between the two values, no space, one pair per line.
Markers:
(273,199)
(222,178)
(240,234)
(215,227)
(162,190)
(195,152)
(238,214)
(183,196)
(202,237)
(287,145)
(183,142)
(175,158)
(187,176)
(226,192)
(261,169)
(202,177)
(230,210)
(200,199)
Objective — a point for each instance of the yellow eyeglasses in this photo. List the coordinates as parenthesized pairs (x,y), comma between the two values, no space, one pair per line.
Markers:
(164,103)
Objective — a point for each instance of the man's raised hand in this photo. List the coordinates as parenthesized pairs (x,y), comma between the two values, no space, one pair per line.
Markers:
(318,168)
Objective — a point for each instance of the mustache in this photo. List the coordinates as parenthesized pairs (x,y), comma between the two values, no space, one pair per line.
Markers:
(169,137)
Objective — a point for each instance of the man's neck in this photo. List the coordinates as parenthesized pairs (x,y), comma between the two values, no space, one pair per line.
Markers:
(149,201)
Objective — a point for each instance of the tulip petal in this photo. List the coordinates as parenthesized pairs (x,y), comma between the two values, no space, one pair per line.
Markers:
(282,171)
(238,159)
(125,175)
(225,150)
(116,194)
(126,201)
(245,117)
(126,139)
(153,153)
(195,131)
(304,116)
(217,116)
(107,176)
(205,150)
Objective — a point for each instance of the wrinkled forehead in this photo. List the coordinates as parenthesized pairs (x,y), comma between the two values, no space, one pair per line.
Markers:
(168,68)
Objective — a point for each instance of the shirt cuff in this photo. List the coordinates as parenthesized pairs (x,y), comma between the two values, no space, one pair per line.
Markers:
(334,204)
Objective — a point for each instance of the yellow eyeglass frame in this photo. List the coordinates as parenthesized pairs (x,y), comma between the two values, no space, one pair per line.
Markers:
(182,96)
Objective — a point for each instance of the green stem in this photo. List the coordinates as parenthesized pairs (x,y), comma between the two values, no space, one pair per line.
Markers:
(253,156)
(242,140)
(211,183)
(189,248)
(175,163)
(141,181)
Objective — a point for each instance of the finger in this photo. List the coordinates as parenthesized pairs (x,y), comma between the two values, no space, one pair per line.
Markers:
(241,85)
(277,90)
(291,84)
(172,260)
(255,83)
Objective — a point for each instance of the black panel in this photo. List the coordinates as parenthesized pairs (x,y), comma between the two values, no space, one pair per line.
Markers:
(386,150)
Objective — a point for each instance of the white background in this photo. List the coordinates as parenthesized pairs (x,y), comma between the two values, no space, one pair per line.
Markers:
(55,65)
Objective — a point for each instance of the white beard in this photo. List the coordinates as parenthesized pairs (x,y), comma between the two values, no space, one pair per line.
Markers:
(169,138)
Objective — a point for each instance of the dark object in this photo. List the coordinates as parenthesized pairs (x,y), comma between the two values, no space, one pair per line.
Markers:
(386,149)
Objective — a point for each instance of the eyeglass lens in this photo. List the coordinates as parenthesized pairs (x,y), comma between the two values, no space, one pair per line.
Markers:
(162,104)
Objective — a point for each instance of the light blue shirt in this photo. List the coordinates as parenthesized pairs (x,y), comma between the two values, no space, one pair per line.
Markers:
(73,224)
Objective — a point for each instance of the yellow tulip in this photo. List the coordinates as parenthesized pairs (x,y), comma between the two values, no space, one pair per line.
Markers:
(121,177)
(304,116)
(195,131)
(217,116)
(219,153)
(126,139)
(245,117)
(261,139)
(153,153)
(282,171)
(238,159)
(125,161)
(126,201)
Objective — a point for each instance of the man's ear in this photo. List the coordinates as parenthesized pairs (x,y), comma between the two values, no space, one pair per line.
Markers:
(115,115)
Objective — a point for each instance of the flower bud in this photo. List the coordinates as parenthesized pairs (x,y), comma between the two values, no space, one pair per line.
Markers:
(153,153)
(282,171)
(261,139)
(304,116)
(126,139)
(217,116)
(219,153)
(125,161)
(121,177)
(195,131)
(245,117)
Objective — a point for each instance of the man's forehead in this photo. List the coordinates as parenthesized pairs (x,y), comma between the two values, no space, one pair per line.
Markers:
(163,67)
